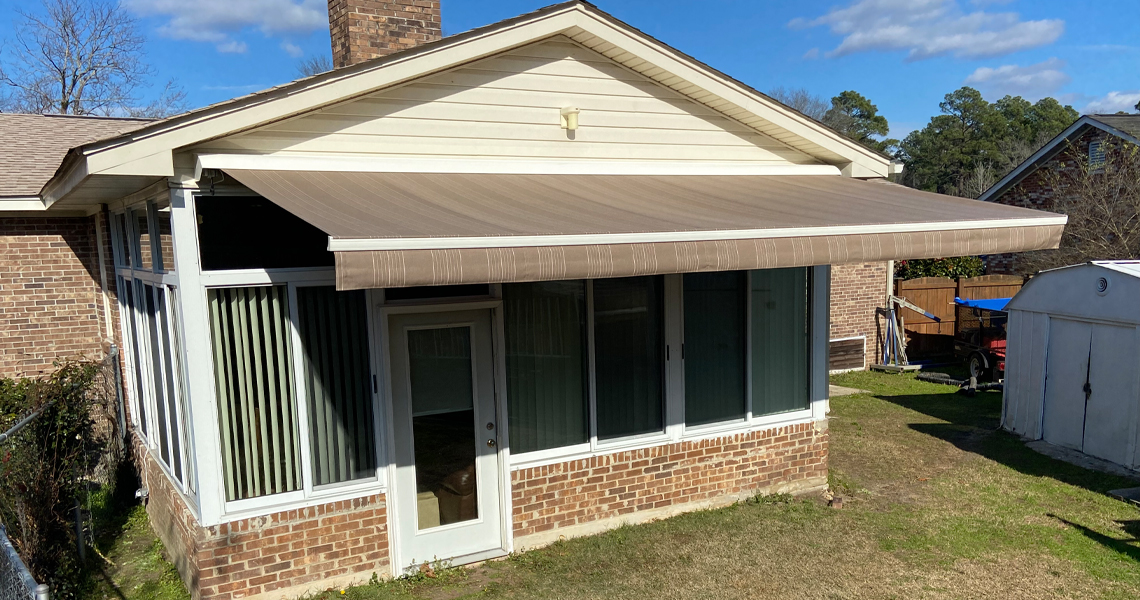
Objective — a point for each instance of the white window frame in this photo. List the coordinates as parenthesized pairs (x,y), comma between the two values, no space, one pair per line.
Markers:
(149,281)
(675,429)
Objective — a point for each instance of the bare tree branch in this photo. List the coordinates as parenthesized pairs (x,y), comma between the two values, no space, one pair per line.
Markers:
(80,57)
(1102,200)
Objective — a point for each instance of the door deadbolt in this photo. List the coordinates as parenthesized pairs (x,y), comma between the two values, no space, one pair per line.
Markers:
(490,426)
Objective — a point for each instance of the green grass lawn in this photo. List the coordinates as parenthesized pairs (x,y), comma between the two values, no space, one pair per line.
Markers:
(939,504)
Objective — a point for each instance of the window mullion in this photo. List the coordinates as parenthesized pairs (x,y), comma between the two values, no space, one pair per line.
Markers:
(300,393)
(591,375)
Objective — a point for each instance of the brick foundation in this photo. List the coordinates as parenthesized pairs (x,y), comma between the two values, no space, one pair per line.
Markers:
(50,301)
(288,554)
(856,291)
(585,496)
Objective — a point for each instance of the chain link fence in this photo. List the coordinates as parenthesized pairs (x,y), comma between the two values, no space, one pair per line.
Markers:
(16,583)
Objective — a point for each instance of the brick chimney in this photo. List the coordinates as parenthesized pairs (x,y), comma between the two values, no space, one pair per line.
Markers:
(365,29)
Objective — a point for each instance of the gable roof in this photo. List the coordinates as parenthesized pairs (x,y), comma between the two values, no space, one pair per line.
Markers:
(1126,127)
(148,151)
(34,145)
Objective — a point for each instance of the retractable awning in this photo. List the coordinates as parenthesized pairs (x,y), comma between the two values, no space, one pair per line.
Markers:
(409,229)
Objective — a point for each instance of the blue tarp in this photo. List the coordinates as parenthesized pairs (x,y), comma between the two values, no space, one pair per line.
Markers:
(991,304)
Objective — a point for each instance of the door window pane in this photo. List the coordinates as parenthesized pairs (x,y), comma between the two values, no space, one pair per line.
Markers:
(257,411)
(443,425)
(716,326)
(546,364)
(337,378)
(780,348)
(628,356)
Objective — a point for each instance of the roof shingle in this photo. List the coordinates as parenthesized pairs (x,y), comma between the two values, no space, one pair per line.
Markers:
(33,146)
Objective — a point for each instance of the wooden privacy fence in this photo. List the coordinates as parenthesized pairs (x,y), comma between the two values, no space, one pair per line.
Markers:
(929,339)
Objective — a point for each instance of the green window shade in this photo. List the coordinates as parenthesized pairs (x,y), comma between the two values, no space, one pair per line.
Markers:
(628,356)
(257,411)
(716,325)
(546,364)
(780,348)
(337,377)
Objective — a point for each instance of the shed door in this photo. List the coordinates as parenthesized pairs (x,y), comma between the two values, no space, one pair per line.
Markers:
(1109,413)
(1065,377)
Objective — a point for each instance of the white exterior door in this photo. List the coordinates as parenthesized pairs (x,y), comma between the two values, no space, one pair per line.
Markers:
(1065,376)
(1111,409)
(447,473)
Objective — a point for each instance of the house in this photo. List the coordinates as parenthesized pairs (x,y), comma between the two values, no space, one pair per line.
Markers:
(476,294)
(1030,184)
(1073,377)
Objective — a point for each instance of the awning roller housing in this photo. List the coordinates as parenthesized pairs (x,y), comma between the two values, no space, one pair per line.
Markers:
(397,229)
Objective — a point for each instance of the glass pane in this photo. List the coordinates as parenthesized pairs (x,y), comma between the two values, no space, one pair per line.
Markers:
(546,364)
(334,346)
(280,240)
(257,412)
(165,240)
(443,425)
(436,291)
(137,344)
(122,247)
(157,383)
(171,375)
(716,327)
(628,356)
(143,240)
(780,349)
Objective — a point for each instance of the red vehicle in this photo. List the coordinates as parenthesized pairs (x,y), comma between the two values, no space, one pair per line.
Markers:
(980,336)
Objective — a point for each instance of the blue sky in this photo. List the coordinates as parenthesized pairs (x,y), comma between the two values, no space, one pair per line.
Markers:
(904,55)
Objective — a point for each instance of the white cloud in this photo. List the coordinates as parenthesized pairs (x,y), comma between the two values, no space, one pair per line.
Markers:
(928,28)
(811,54)
(218,21)
(1032,81)
(232,47)
(1113,102)
(292,49)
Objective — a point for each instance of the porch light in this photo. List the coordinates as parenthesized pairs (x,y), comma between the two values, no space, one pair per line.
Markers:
(570,118)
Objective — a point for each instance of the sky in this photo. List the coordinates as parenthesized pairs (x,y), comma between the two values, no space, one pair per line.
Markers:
(904,55)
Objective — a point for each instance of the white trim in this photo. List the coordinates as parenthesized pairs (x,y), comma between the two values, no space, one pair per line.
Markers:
(516,166)
(848,339)
(25,203)
(1023,170)
(259,277)
(530,241)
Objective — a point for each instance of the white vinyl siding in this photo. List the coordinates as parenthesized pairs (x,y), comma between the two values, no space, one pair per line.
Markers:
(508,107)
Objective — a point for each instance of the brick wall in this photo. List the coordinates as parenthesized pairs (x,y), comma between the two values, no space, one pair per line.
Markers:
(1035,192)
(856,291)
(582,494)
(365,29)
(50,302)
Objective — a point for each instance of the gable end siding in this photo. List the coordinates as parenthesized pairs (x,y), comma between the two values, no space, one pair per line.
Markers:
(508,107)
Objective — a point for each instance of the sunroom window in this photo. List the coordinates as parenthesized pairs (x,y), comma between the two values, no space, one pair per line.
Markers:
(715,346)
(629,349)
(780,341)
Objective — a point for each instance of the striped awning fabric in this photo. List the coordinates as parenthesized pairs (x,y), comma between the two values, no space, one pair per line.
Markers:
(411,229)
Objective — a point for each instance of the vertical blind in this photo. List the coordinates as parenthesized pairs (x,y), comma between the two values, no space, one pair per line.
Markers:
(780,348)
(716,325)
(629,356)
(547,389)
(257,410)
(334,341)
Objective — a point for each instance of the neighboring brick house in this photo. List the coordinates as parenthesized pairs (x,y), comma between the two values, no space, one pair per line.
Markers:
(1027,186)
(533,280)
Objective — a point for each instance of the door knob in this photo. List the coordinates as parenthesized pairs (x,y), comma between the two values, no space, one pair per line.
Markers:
(490,443)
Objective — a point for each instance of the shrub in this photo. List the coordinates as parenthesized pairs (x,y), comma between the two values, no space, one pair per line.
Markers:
(952,268)
(45,468)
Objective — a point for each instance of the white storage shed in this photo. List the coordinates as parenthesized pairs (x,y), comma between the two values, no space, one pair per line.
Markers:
(1073,360)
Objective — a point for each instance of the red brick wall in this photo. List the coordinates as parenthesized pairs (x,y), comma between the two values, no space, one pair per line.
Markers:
(50,303)
(718,470)
(1035,192)
(365,29)
(856,291)
(282,555)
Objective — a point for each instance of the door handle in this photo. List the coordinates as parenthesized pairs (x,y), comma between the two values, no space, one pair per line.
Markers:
(490,443)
